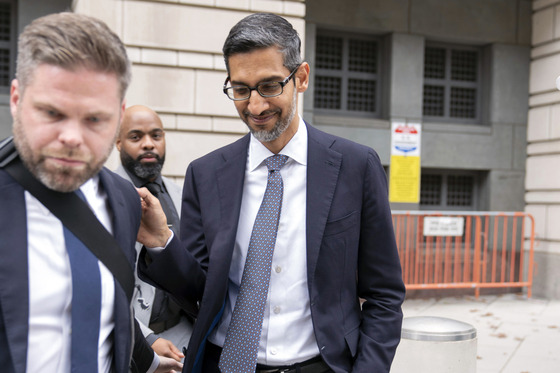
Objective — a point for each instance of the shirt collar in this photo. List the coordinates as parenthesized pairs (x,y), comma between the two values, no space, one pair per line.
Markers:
(90,188)
(295,149)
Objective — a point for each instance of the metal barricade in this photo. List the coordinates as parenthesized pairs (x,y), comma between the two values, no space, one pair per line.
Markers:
(454,250)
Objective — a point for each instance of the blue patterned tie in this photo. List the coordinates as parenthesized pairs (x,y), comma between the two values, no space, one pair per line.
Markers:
(239,354)
(86,303)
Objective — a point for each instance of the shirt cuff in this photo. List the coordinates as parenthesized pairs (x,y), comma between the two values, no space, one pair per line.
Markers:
(151,338)
(155,364)
(158,249)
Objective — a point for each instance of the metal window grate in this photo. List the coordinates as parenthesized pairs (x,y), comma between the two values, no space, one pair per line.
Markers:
(4,67)
(7,37)
(430,190)
(327,92)
(448,190)
(361,95)
(463,103)
(434,63)
(362,56)
(5,21)
(464,65)
(347,75)
(328,54)
(460,190)
(451,83)
(434,99)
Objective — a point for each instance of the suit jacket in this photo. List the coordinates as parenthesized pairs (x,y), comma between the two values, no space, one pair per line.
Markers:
(351,251)
(14,291)
(146,291)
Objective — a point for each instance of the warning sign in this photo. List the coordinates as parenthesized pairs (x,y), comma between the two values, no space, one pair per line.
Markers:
(404,176)
(404,180)
(443,226)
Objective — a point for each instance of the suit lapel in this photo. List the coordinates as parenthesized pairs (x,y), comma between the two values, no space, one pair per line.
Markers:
(323,166)
(123,327)
(174,194)
(230,176)
(14,284)
(117,206)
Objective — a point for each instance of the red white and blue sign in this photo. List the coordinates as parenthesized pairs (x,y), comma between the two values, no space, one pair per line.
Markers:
(405,139)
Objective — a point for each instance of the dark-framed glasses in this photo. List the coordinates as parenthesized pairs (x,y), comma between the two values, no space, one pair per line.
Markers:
(265,89)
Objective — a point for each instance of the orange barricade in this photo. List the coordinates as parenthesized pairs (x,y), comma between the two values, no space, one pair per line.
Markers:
(454,250)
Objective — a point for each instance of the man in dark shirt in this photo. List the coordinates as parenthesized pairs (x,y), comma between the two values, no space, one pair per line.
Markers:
(141,144)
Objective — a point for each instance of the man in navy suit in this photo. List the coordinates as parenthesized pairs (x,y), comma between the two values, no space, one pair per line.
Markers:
(334,297)
(67,101)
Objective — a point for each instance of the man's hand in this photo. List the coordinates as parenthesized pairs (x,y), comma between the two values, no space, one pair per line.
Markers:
(164,347)
(168,365)
(153,231)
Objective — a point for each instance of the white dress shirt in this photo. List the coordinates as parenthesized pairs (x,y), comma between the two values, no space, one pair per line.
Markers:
(50,287)
(287,333)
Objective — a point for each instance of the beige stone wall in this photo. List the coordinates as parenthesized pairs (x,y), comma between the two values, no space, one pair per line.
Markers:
(178,69)
(542,181)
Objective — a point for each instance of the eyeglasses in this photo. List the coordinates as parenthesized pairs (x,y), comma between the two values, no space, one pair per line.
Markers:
(266,89)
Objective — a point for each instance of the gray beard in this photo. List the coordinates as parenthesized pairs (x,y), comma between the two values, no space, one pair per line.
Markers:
(280,126)
(142,171)
(147,172)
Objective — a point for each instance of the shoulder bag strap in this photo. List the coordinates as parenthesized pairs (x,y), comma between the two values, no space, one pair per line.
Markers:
(76,215)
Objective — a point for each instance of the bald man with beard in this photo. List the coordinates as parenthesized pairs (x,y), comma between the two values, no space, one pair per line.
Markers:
(141,144)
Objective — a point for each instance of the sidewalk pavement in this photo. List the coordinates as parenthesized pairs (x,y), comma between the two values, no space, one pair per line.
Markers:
(515,334)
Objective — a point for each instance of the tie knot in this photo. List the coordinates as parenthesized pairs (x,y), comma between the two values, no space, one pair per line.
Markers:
(154,188)
(276,162)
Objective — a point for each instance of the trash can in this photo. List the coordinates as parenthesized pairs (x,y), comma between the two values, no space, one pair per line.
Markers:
(435,345)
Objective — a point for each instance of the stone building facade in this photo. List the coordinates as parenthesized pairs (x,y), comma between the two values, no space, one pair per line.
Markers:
(490,123)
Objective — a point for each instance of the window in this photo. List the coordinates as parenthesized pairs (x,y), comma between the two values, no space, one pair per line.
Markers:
(347,75)
(448,190)
(452,83)
(7,44)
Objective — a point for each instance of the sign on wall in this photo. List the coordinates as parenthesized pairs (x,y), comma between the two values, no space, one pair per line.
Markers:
(444,226)
(404,175)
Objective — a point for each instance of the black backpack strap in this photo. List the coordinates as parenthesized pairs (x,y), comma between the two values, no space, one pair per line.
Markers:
(76,215)
(7,151)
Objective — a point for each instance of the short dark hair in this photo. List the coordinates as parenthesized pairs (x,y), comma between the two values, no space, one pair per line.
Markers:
(70,40)
(264,30)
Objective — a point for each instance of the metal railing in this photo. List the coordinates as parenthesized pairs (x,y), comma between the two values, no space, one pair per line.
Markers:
(454,250)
